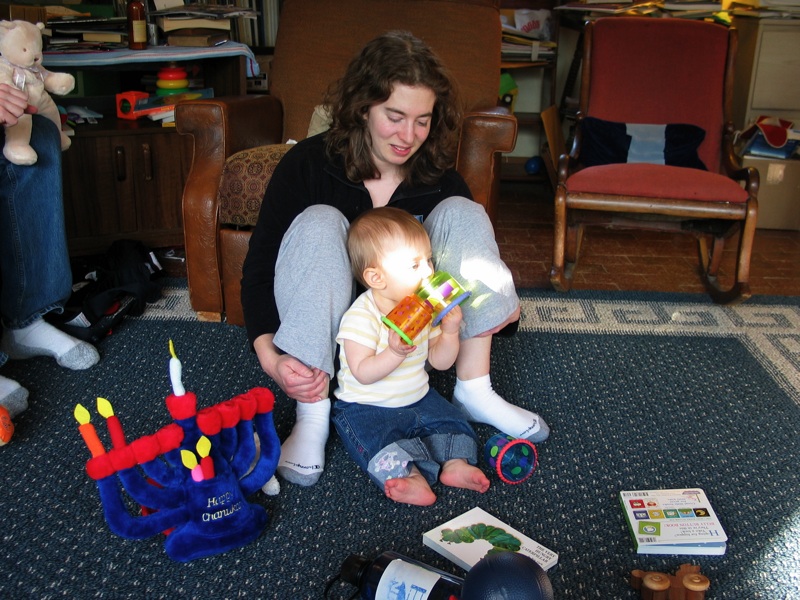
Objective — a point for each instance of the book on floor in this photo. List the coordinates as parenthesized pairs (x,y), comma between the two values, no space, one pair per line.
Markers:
(472,535)
(677,521)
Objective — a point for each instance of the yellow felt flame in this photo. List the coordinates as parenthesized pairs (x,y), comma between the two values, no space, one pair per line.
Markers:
(172,349)
(104,408)
(81,414)
(188,459)
(203,446)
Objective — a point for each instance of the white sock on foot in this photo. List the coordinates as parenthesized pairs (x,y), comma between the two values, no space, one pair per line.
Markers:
(13,396)
(483,405)
(303,453)
(42,339)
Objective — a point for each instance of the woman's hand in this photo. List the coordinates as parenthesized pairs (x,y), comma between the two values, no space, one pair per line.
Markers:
(13,104)
(299,381)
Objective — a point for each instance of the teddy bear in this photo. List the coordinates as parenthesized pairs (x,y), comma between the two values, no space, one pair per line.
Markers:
(21,67)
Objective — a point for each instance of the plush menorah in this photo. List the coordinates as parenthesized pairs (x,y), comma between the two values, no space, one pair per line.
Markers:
(192,477)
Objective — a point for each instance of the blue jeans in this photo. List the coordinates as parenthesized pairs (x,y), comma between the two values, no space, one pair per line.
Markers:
(35,275)
(386,442)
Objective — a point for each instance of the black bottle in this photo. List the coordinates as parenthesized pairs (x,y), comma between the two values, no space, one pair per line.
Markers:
(390,572)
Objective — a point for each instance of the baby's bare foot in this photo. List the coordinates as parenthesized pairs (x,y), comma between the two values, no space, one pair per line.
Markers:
(459,473)
(410,490)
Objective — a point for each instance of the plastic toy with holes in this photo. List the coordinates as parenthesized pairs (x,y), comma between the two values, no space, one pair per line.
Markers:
(436,296)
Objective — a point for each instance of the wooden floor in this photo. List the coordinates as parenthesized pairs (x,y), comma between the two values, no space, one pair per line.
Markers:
(628,260)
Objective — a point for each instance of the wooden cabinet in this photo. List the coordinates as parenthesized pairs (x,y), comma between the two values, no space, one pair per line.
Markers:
(125,183)
(124,179)
(767,80)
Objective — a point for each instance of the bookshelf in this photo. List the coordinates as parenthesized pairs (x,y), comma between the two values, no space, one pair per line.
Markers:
(537,90)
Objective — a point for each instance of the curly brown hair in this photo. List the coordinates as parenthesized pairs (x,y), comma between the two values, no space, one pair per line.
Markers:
(396,57)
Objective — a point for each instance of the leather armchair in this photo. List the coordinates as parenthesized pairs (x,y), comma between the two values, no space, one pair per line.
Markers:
(238,140)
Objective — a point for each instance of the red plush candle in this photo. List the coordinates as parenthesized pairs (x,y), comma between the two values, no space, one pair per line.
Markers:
(112,422)
(207,465)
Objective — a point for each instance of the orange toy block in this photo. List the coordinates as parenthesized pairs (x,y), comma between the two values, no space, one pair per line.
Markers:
(6,426)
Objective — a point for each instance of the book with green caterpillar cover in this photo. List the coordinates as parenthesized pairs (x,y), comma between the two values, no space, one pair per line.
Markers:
(474,534)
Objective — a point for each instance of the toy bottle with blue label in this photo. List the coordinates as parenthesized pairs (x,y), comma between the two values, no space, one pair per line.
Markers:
(392,575)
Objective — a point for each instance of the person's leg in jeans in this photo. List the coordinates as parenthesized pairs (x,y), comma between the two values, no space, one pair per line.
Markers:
(463,245)
(35,276)
(313,289)
(406,450)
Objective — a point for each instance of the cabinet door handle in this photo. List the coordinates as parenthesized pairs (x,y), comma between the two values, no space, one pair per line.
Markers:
(119,160)
(147,155)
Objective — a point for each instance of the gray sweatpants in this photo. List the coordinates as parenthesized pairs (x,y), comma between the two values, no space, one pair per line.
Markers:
(314,285)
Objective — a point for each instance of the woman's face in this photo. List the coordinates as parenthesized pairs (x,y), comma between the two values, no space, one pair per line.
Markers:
(400,125)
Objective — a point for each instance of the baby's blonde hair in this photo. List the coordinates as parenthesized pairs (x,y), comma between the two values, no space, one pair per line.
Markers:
(372,231)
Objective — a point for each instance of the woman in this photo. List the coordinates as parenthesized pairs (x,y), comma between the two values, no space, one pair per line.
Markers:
(395,121)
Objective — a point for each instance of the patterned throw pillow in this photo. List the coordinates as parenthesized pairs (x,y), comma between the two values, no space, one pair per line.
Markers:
(244,180)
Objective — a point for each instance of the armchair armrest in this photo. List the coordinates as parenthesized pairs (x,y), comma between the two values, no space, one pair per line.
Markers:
(219,128)
(484,134)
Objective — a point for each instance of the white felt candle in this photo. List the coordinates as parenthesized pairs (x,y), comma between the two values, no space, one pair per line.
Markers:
(175,372)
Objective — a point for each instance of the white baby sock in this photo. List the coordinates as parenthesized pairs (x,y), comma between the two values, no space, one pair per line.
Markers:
(482,404)
(42,339)
(303,453)
(13,396)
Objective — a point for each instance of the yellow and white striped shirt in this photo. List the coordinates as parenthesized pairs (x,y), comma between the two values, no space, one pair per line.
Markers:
(406,385)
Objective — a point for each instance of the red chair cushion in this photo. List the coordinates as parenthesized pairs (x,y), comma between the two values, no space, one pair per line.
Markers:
(656,181)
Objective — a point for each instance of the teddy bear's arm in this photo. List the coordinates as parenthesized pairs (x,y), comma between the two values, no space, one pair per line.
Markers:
(57,83)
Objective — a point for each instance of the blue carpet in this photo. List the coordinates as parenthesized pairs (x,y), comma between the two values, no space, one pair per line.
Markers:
(640,390)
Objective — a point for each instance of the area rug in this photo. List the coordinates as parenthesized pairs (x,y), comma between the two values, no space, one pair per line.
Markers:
(642,391)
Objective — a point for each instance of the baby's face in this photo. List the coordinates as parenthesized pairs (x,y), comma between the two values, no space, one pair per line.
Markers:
(404,267)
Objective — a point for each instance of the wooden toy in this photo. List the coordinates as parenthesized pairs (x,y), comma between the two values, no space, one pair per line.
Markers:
(687,584)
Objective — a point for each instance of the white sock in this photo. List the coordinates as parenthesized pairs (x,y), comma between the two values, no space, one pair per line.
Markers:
(482,404)
(13,396)
(42,339)
(303,453)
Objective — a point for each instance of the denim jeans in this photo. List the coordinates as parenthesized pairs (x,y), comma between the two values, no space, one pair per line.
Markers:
(385,442)
(35,275)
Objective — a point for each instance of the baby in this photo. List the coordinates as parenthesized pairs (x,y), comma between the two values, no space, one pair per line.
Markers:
(402,432)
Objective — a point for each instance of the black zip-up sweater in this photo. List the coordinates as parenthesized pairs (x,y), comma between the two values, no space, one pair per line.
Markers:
(305,177)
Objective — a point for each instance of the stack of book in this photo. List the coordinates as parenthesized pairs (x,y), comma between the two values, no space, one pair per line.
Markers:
(594,9)
(766,9)
(691,9)
(518,46)
(200,24)
(85,31)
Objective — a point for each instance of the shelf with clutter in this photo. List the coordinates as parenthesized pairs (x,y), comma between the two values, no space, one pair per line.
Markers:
(124,174)
(529,59)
